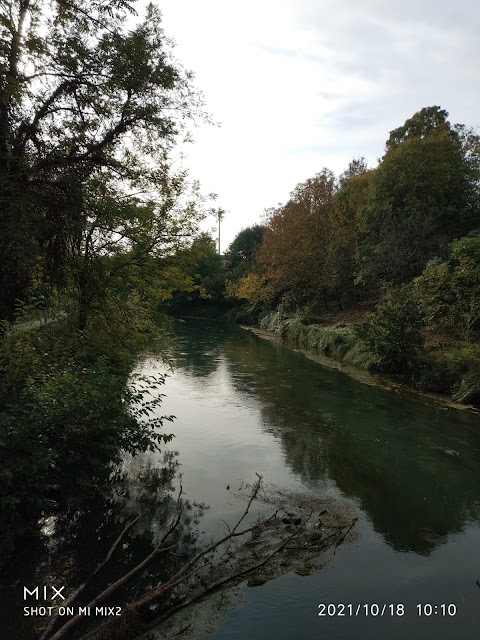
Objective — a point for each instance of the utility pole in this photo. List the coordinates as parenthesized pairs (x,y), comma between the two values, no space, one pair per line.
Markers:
(220,213)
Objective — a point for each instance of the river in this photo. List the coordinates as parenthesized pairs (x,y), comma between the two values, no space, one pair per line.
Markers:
(410,468)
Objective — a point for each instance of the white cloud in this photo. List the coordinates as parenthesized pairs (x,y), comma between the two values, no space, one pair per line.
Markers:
(298,85)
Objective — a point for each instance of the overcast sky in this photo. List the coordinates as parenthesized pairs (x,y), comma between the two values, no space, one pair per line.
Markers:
(298,85)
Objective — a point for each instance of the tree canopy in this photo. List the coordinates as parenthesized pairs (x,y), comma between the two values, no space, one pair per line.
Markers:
(428,121)
(423,194)
(296,239)
(91,101)
(245,245)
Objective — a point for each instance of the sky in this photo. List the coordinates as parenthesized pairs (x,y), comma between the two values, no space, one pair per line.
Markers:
(298,85)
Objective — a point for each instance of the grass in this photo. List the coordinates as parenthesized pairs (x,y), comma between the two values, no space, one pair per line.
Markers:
(452,369)
(338,341)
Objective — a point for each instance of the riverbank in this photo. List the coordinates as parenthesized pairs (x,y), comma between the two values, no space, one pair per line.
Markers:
(347,360)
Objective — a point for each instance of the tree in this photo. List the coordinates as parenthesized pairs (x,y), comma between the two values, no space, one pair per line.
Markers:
(296,240)
(350,203)
(201,266)
(428,121)
(118,255)
(423,194)
(242,251)
(356,167)
(83,98)
(253,288)
(449,290)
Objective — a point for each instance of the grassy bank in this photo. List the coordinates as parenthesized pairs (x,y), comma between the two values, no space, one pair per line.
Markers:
(449,369)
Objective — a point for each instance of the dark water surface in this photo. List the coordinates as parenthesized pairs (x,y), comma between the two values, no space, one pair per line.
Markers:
(411,469)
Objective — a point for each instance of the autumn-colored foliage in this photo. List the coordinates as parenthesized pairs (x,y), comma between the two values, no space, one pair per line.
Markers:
(295,249)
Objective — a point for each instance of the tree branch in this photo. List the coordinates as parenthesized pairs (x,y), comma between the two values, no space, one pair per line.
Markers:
(29,129)
(121,581)
(222,583)
(78,591)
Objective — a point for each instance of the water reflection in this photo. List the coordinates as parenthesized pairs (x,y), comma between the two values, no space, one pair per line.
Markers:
(80,540)
(413,468)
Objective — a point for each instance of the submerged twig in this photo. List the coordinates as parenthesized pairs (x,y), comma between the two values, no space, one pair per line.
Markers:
(121,581)
(79,590)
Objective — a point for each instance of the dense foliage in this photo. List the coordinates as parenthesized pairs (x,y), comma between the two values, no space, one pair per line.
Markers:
(67,417)
(202,264)
(393,333)
(402,237)
(91,103)
(242,251)
(449,290)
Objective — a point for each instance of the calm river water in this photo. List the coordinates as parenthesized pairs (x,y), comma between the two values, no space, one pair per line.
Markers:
(410,468)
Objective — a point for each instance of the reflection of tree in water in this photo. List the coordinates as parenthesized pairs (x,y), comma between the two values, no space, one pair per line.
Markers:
(304,441)
(148,491)
(198,346)
(415,502)
(376,447)
(80,541)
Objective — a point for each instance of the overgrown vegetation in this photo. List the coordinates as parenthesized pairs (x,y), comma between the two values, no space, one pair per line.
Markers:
(201,263)
(91,102)
(402,237)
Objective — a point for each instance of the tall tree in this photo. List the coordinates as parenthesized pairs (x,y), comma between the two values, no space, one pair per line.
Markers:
(200,267)
(428,121)
(118,257)
(244,247)
(350,202)
(296,240)
(356,167)
(423,194)
(88,91)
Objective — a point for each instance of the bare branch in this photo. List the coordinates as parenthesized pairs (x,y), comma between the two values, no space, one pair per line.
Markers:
(256,489)
(78,591)
(159,548)
(225,581)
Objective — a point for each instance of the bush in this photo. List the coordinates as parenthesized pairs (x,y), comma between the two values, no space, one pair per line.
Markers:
(66,417)
(449,290)
(393,333)
(455,372)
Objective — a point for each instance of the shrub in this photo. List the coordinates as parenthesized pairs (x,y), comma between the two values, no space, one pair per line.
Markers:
(66,417)
(449,291)
(393,333)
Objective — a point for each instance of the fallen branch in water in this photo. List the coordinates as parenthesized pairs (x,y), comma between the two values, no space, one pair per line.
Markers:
(219,585)
(159,548)
(208,571)
(68,602)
